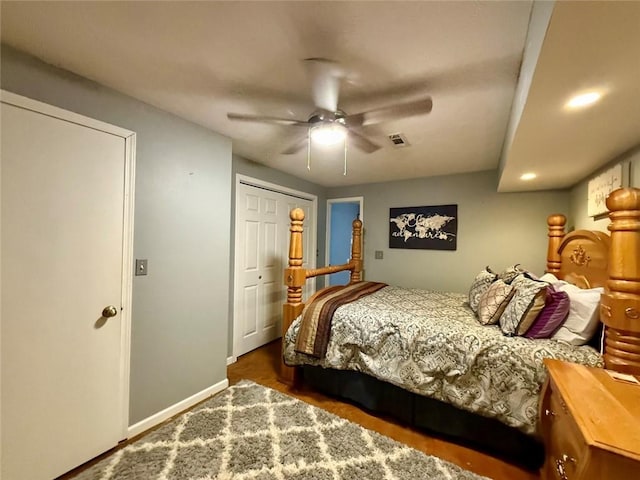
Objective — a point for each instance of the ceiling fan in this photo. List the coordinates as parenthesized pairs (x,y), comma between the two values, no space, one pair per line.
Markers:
(328,124)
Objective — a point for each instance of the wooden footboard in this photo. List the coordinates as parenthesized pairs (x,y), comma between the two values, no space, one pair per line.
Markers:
(295,277)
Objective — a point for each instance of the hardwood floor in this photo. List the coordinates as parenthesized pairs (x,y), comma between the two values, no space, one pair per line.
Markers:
(261,366)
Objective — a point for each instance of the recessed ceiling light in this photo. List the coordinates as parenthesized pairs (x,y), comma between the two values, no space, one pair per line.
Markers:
(583,100)
(528,176)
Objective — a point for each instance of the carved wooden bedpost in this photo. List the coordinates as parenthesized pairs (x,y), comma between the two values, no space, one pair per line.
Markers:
(556,223)
(294,279)
(356,251)
(620,305)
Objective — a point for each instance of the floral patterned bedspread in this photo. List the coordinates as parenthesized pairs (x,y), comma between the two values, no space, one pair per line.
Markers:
(430,343)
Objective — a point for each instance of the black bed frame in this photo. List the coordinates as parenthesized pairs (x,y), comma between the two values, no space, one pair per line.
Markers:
(485,434)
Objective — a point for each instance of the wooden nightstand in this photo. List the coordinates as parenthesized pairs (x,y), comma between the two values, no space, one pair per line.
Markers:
(590,424)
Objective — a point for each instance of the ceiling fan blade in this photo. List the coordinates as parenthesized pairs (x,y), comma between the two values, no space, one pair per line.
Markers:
(362,143)
(393,112)
(325,82)
(296,146)
(264,119)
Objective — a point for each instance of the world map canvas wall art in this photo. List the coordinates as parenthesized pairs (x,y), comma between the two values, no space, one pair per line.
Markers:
(434,227)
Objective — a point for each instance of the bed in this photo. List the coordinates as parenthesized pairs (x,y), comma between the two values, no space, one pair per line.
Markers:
(423,356)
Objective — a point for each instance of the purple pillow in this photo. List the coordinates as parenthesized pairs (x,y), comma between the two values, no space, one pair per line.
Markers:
(554,313)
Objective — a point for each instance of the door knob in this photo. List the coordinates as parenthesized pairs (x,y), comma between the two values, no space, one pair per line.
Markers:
(109,311)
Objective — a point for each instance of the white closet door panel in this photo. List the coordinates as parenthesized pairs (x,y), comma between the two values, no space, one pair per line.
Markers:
(250,304)
(251,246)
(262,229)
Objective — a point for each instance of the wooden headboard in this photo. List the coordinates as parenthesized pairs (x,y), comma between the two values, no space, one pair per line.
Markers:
(580,257)
(595,259)
(620,304)
(583,257)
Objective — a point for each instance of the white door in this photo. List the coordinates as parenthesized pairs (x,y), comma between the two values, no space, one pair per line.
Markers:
(262,245)
(64,364)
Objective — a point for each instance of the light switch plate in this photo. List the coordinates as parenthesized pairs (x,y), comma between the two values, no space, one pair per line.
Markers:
(141,266)
(378,255)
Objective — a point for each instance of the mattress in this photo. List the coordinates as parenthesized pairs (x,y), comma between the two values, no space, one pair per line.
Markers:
(430,343)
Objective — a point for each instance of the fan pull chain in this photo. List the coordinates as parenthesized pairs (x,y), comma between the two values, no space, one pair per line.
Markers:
(309,149)
(345,157)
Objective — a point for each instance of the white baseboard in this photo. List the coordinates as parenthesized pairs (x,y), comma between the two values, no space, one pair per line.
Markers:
(231,360)
(174,409)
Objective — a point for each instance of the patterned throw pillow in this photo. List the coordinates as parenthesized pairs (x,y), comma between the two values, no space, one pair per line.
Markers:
(510,273)
(479,286)
(526,304)
(493,302)
(554,313)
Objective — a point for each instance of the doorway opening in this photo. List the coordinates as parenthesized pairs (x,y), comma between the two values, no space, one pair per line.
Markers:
(341,212)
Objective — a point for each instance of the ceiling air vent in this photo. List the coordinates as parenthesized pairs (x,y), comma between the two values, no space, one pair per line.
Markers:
(398,140)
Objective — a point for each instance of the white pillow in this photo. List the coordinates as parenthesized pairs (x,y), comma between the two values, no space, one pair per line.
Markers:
(584,314)
(549,278)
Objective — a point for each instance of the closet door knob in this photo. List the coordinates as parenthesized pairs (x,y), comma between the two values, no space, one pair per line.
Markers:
(109,311)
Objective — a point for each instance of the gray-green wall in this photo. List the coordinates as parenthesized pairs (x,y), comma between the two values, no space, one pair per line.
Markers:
(496,229)
(242,166)
(578,217)
(182,223)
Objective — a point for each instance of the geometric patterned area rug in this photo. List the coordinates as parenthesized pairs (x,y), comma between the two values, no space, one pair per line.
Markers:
(250,432)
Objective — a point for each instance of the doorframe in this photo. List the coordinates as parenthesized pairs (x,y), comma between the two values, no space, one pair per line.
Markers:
(129,138)
(255,182)
(331,201)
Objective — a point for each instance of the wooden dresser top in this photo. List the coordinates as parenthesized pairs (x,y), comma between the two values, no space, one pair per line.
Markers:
(607,411)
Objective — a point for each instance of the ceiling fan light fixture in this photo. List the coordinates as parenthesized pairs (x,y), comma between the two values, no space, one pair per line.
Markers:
(328,133)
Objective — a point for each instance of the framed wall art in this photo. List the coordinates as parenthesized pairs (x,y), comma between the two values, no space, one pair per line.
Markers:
(430,227)
(600,187)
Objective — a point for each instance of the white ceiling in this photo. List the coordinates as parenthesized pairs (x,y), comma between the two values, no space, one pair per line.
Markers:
(588,46)
(200,60)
